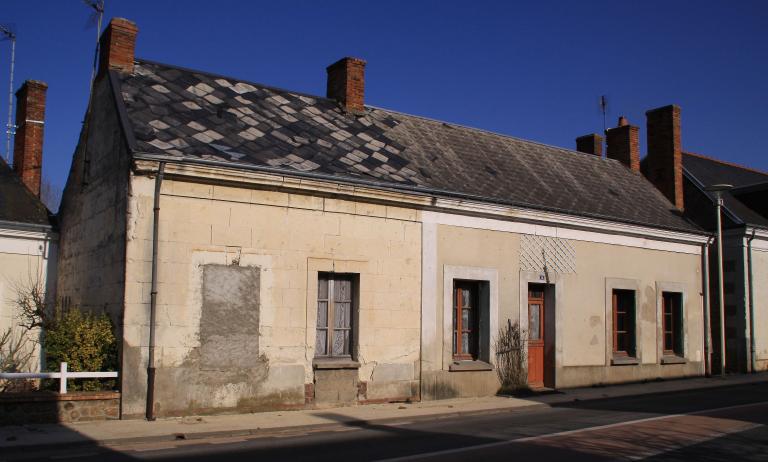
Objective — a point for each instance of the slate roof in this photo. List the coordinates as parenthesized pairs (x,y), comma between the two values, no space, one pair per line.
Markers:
(17,203)
(709,171)
(196,115)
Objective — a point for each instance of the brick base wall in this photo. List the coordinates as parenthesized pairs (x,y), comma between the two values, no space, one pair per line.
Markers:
(50,407)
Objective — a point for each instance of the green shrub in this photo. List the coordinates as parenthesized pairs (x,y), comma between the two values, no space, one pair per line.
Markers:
(86,342)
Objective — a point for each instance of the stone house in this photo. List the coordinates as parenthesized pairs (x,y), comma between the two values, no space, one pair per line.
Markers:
(745,256)
(683,178)
(266,249)
(28,238)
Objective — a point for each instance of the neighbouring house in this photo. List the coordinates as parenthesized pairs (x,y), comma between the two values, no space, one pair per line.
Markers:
(266,249)
(745,256)
(28,238)
(683,178)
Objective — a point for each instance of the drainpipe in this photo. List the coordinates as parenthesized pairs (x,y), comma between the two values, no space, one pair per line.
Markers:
(752,352)
(707,328)
(153,296)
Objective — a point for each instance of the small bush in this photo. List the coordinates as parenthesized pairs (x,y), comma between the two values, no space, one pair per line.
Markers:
(86,342)
(511,360)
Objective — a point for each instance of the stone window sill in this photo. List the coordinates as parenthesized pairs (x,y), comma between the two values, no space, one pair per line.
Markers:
(465,366)
(335,363)
(672,359)
(624,361)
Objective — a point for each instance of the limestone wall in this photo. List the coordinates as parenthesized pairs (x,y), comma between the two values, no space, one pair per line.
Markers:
(274,244)
(92,214)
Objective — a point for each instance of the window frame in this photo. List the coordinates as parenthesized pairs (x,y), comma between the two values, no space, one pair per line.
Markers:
(330,324)
(677,320)
(630,322)
(475,310)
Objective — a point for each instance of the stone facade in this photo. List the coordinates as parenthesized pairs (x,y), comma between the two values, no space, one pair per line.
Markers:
(278,242)
(92,219)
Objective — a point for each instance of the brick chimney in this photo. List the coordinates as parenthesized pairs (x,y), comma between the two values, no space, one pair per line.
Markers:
(28,143)
(623,144)
(664,163)
(346,83)
(117,45)
(591,144)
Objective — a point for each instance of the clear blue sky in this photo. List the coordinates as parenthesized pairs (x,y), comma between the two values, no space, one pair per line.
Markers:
(533,69)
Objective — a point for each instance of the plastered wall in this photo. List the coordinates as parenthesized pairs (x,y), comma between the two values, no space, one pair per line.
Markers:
(583,311)
(760,306)
(23,263)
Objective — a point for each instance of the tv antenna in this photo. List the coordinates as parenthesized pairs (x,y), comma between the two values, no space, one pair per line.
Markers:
(7,33)
(95,19)
(604,109)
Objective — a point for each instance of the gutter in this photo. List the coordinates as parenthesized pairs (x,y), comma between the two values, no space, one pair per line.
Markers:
(21,226)
(706,300)
(750,292)
(150,412)
(396,187)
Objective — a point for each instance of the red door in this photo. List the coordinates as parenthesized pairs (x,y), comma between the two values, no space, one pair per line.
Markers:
(536,336)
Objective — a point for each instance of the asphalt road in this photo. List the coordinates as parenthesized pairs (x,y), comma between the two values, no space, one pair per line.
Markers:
(703,425)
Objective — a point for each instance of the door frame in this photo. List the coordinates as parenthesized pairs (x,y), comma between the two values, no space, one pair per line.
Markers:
(542,334)
(553,293)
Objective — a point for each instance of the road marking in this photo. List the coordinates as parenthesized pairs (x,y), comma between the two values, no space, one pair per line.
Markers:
(446,452)
(233,439)
(72,456)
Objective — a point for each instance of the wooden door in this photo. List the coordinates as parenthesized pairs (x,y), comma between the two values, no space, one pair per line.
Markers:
(536,336)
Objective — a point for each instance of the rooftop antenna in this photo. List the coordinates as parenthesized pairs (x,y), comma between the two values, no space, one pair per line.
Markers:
(7,33)
(96,17)
(604,109)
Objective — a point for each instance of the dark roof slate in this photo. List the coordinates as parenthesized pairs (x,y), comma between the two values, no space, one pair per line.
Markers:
(196,115)
(17,203)
(708,171)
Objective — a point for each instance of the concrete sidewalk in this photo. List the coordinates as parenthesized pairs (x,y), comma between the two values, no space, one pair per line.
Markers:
(287,422)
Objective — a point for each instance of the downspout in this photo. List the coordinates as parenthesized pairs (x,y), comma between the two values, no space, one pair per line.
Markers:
(153,296)
(750,291)
(705,293)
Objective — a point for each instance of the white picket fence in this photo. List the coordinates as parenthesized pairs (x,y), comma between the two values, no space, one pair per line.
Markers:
(62,375)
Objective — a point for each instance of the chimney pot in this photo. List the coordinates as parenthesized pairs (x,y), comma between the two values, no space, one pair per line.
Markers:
(117,46)
(664,163)
(590,144)
(346,83)
(623,144)
(28,142)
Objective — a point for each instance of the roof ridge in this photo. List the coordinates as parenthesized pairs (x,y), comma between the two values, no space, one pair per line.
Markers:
(725,162)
